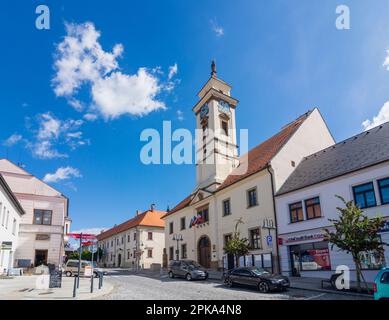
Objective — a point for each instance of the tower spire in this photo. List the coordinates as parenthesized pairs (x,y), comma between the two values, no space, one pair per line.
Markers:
(213,69)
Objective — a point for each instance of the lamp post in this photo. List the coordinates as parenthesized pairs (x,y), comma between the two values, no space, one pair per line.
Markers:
(177,238)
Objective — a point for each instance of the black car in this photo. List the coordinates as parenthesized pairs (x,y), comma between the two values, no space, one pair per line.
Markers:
(263,280)
(188,269)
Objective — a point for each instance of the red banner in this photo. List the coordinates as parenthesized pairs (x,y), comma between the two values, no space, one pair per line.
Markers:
(83,235)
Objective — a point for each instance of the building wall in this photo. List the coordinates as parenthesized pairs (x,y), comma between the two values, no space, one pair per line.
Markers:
(32,194)
(312,136)
(326,191)
(9,228)
(134,239)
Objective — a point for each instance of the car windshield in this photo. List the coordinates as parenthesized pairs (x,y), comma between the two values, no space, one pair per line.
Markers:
(259,271)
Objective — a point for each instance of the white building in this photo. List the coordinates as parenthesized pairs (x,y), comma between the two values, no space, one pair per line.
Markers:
(229,188)
(356,169)
(42,228)
(10,215)
(135,243)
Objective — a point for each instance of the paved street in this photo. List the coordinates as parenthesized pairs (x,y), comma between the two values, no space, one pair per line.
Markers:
(131,286)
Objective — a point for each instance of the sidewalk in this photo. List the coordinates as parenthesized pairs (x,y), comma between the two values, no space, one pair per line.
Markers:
(314,284)
(24,288)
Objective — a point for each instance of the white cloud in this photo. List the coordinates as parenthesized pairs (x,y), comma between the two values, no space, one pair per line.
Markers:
(90,117)
(81,60)
(180,115)
(380,118)
(95,231)
(52,130)
(172,71)
(120,93)
(63,173)
(12,140)
(219,31)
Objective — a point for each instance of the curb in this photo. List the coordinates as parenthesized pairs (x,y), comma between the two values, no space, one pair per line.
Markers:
(355,294)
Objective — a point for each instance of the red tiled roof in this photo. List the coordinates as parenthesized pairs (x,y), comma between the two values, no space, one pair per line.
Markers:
(148,218)
(258,158)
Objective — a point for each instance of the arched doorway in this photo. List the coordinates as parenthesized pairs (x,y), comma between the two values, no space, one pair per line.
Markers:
(204,252)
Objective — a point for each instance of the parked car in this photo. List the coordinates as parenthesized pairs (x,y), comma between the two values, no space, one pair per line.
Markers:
(188,269)
(381,285)
(263,280)
(71,268)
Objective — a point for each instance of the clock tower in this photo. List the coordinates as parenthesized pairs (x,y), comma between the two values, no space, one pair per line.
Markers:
(216,148)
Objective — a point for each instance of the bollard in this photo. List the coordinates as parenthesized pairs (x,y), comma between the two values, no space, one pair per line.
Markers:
(99,281)
(74,287)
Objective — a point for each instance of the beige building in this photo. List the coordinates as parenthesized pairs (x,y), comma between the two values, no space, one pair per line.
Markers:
(136,243)
(229,187)
(42,227)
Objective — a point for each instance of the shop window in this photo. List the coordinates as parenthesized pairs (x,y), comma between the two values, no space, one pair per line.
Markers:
(255,238)
(252,197)
(371,260)
(296,212)
(42,216)
(226,207)
(364,195)
(312,208)
(310,257)
(384,190)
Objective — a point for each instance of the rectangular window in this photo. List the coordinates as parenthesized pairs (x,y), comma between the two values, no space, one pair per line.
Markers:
(227,237)
(128,254)
(171,228)
(310,257)
(312,208)
(128,238)
(135,236)
(7,222)
(226,207)
(224,127)
(201,217)
(171,253)
(296,212)
(255,238)
(183,223)
(149,253)
(149,236)
(183,251)
(384,190)
(371,260)
(14,227)
(42,217)
(252,197)
(364,195)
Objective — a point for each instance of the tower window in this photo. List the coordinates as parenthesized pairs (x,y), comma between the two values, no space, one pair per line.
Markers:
(225,127)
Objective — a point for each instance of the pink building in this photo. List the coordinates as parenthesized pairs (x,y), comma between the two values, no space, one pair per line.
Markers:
(42,227)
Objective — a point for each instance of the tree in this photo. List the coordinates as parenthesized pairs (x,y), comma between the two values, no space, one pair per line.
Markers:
(236,246)
(356,233)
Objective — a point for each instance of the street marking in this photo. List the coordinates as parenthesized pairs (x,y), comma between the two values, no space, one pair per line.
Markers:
(318,296)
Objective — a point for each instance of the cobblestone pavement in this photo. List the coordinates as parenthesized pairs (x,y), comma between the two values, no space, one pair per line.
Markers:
(148,286)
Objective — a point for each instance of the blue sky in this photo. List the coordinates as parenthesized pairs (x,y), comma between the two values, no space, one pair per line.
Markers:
(281,57)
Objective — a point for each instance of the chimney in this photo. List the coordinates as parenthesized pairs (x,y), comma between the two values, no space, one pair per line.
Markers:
(137,212)
(152,207)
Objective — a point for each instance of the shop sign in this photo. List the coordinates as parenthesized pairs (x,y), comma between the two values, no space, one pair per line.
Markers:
(42,237)
(306,237)
(6,245)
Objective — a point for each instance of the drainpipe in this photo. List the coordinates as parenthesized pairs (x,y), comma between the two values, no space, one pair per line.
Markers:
(275,217)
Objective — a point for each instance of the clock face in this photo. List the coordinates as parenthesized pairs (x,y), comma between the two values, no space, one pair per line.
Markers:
(204,111)
(224,107)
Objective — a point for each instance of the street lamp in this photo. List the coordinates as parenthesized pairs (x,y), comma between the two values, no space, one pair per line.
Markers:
(177,238)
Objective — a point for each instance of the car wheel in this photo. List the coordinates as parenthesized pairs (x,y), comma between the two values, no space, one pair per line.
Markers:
(188,277)
(171,275)
(263,287)
(229,283)
(68,273)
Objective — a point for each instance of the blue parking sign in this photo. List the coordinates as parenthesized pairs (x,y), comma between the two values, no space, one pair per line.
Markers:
(269,240)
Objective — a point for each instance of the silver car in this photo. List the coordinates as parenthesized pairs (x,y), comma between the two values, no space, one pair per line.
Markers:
(188,269)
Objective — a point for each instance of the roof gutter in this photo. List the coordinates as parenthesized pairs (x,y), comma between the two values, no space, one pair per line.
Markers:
(275,216)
